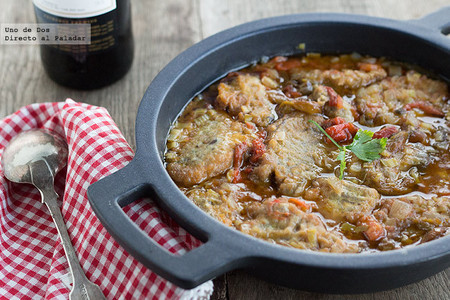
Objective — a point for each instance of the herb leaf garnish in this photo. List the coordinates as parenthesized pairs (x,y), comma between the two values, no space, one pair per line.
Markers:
(366,148)
(363,146)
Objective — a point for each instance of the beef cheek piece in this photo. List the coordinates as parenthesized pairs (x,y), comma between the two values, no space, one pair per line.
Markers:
(245,96)
(295,155)
(203,145)
(342,200)
(289,221)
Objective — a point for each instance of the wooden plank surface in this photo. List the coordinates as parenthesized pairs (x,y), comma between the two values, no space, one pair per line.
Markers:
(163,29)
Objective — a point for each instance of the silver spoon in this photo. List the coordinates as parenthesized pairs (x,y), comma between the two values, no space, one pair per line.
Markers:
(35,156)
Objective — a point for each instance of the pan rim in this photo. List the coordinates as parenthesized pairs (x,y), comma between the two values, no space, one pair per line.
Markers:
(156,94)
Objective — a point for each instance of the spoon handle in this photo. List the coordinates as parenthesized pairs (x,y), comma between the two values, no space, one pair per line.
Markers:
(82,287)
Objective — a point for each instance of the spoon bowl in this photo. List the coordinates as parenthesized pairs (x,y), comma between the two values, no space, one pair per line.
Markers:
(35,156)
(30,146)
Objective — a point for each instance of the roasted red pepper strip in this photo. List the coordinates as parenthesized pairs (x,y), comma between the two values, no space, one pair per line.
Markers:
(278,59)
(247,170)
(335,99)
(425,107)
(291,92)
(237,176)
(341,132)
(385,132)
(258,150)
(238,159)
(288,64)
(262,134)
(276,213)
(301,204)
(367,67)
(375,230)
(332,122)
(355,112)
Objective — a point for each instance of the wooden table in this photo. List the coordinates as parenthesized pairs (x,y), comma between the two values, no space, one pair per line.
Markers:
(163,29)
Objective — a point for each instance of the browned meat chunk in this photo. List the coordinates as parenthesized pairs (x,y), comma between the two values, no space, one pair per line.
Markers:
(285,222)
(320,94)
(396,172)
(389,100)
(245,97)
(205,148)
(322,98)
(288,105)
(404,217)
(341,199)
(220,202)
(349,79)
(295,154)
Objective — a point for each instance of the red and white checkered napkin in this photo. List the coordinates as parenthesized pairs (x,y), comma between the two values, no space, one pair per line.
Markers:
(32,261)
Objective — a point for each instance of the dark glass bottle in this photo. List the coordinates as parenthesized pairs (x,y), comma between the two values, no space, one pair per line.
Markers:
(109,55)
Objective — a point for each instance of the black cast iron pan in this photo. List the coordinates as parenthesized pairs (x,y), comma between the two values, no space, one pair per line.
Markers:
(421,42)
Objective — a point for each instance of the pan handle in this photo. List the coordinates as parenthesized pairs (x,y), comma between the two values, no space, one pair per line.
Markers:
(107,197)
(438,20)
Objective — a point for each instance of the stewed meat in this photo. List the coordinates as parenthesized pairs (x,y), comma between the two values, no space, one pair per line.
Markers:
(245,97)
(205,148)
(288,221)
(220,202)
(295,154)
(412,219)
(346,78)
(389,100)
(342,199)
(396,172)
(331,153)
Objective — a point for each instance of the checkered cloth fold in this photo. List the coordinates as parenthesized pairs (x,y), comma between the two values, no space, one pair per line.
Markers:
(32,260)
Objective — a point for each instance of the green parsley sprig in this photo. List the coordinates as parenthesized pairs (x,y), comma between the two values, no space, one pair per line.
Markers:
(363,146)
